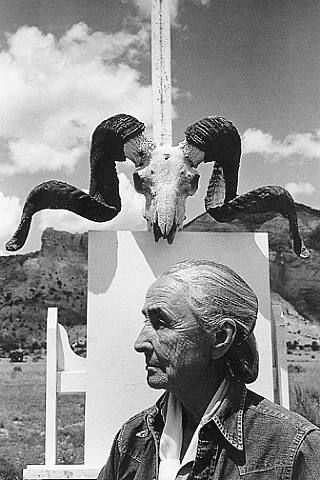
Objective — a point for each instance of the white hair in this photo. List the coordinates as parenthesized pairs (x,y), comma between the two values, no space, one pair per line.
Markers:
(215,292)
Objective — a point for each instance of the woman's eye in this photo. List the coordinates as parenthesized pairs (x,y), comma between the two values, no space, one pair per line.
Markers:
(161,322)
(157,319)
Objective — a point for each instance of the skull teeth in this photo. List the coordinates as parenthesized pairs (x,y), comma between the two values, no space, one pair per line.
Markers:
(157,233)
(171,234)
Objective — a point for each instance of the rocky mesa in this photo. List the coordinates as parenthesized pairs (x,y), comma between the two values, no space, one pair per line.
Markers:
(57,274)
(54,276)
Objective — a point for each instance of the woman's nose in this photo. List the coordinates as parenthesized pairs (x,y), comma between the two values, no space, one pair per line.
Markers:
(143,342)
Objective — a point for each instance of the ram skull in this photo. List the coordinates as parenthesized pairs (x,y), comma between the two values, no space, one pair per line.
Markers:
(166,179)
(166,175)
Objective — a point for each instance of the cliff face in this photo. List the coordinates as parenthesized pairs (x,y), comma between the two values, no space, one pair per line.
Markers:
(295,279)
(54,276)
(57,274)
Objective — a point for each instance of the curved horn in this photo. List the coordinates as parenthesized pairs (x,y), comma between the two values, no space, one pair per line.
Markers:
(261,200)
(220,142)
(103,201)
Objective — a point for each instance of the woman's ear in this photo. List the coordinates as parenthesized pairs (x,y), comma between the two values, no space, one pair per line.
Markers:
(223,338)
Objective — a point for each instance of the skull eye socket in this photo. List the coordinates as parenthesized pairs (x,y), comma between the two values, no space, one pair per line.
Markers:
(189,184)
(141,155)
(194,182)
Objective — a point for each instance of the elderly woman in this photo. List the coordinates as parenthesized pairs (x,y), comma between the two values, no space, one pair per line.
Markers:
(199,347)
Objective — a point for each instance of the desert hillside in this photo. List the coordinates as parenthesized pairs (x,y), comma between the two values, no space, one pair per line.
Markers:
(57,276)
(54,276)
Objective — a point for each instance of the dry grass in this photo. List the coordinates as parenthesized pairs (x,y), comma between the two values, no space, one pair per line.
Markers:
(22,414)
(304,381)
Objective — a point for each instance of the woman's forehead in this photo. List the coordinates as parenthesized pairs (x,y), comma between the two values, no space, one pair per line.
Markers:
(164,290)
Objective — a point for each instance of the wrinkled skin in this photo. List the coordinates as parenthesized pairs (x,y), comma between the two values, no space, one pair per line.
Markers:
(177,351)
(166,179)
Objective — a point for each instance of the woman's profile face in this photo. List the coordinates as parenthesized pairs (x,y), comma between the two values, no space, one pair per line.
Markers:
(176,349)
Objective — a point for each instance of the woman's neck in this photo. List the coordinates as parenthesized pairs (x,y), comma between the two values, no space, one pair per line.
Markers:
(196,400)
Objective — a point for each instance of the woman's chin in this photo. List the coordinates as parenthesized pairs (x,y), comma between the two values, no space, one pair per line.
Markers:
(156,381)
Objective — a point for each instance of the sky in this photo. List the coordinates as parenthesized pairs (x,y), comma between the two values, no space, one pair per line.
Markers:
(67,65)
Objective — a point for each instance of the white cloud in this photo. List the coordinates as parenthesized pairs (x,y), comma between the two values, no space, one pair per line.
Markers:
(305,146)
(55,91)
(130,217)
(10,211)
(144,7)
(300,188)
(39,157)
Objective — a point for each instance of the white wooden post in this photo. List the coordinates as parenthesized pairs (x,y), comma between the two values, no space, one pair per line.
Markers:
(66,373)
(51,389)
(279,347)
(161,72)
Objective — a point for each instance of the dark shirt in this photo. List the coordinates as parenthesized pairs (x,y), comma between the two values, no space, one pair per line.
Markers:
(248,438)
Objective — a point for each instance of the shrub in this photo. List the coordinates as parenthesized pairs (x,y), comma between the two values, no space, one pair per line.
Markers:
(36,358)
(296,369)
(8,342)
(16,356)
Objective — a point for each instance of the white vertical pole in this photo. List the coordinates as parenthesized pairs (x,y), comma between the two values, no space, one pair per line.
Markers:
(51,388)
(161,72)
(279,329)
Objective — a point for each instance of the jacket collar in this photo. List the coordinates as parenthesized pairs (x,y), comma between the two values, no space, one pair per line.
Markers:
(228,418)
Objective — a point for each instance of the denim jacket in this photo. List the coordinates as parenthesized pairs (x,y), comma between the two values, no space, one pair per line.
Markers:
(248,438)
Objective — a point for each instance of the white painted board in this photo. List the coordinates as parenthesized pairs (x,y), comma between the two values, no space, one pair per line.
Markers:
(122,265)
